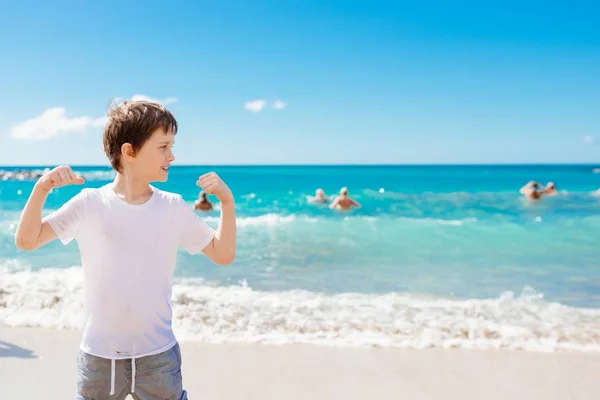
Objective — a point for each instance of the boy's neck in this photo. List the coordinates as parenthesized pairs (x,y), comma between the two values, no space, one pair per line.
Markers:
(130,189)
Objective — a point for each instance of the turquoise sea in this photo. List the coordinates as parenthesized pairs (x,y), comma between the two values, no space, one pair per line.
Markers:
(438,256)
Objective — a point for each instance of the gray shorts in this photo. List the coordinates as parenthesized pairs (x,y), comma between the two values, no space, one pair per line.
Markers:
(146,378)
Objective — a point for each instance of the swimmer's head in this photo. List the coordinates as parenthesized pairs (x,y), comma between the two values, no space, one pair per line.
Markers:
(203,195)
(319,193)
(344,191)
(550,185)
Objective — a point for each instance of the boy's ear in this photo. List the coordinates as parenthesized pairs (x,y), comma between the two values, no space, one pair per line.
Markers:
(127,152)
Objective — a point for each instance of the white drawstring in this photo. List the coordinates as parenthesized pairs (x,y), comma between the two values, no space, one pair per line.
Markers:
(112,376)
(132,375)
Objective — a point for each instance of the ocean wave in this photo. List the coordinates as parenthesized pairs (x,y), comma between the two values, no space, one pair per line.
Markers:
(270,219)
(52,298)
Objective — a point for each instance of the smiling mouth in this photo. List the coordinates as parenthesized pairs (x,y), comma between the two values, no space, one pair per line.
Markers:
(166,169)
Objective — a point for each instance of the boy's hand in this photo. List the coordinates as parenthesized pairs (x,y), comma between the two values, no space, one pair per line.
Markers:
(59,176)
(212,184)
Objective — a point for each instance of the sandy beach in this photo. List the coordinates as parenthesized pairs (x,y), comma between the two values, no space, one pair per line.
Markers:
(40,364)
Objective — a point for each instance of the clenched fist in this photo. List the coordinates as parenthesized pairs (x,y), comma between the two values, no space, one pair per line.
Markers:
(59,176)
(212,184)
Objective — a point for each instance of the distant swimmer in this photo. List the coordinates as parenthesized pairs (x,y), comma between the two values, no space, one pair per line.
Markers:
(202,203)
(319,197)
(550,189)
(532,190)
(343,202)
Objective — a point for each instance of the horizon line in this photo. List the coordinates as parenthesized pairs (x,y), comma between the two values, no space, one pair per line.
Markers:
(333,164)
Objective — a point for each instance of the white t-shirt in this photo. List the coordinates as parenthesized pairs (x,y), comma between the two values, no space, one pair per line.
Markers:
(128,253)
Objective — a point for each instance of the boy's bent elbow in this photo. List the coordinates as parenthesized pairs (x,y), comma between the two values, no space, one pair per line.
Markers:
(225,259)
(24,244)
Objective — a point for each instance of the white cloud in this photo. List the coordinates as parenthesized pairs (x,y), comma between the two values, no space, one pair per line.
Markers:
(53,122)
(164,102)
(588,139)
(255,105)
(279,105)
(259,104)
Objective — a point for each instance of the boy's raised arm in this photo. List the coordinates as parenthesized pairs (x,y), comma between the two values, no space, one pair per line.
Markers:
(222,249)
(31,231)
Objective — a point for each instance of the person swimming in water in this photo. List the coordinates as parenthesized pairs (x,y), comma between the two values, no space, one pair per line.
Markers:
(531,190)
(203,204)
(319,196)
(343,201)
(534,191)
(550,189)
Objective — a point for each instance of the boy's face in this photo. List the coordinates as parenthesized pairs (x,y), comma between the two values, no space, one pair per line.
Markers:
(154,158)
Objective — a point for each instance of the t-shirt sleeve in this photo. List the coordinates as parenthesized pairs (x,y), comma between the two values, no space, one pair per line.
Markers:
(194,233)
(67,220)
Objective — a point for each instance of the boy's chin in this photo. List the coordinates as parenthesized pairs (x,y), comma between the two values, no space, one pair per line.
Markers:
(160,178)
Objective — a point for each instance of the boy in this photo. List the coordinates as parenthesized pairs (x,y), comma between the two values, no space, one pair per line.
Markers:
(128,233)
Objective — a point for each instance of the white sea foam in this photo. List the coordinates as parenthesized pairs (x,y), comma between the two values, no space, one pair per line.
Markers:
(52,298)
(454,222)
(270,219)
(273,219)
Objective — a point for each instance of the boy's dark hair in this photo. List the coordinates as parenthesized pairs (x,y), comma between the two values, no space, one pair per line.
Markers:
(134,122)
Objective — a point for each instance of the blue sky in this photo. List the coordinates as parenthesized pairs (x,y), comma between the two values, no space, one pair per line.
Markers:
(356,82)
